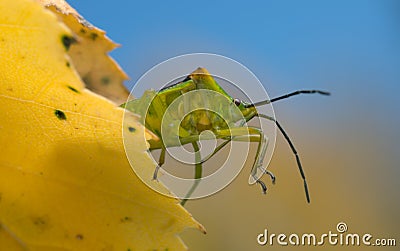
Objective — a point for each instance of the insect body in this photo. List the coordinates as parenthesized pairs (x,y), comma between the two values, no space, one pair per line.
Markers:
(153,106)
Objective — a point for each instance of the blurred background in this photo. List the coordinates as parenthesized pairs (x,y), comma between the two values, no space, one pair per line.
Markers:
(348,142)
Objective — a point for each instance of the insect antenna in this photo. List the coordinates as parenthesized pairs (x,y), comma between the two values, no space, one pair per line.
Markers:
(285,135)
(268,101)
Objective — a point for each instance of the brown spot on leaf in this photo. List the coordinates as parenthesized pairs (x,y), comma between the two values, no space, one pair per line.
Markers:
(67,41)
(93,36)
(73,89)
(41,222)
(126,219)
(60,115)
(105,80)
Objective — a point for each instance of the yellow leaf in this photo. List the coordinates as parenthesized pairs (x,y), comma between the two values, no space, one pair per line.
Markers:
(8,242)
(98,70)
(65,182)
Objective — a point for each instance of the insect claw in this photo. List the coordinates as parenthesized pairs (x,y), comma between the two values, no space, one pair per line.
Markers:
(263,186)
(273,178)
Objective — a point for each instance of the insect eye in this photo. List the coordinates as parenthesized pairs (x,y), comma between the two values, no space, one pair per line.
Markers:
(237,102)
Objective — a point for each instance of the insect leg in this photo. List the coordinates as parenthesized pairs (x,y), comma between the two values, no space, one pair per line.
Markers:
(197,173)
(161,161)
(263,186)
(273,178)
(293,150)
(217,149)
(220,146)
(251,134)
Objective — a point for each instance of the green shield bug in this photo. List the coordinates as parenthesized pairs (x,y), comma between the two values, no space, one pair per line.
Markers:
(153,105)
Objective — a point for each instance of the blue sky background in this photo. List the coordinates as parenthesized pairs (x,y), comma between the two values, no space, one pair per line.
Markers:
(349,141)
(350,48)
(287,38)
(353,45)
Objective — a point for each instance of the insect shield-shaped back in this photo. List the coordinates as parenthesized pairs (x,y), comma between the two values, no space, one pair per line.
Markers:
(203,80)
(195,112)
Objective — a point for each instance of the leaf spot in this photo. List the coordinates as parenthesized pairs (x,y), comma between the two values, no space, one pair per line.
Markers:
(40,222)
(73,89)
(67,41)
(126,219)
(131,129)
(105,80)
(60,115)
(93,36)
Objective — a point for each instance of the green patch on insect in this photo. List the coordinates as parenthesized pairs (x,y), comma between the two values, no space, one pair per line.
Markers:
(227,122)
